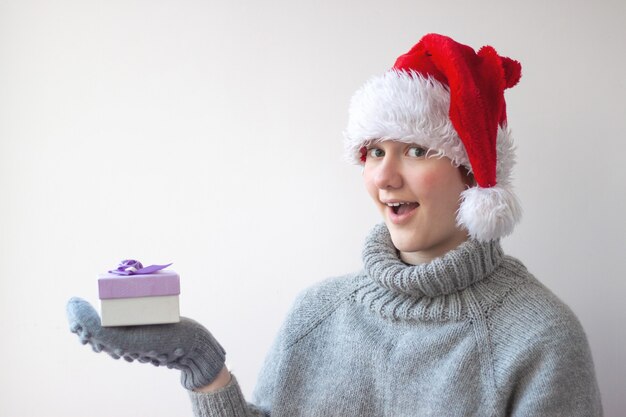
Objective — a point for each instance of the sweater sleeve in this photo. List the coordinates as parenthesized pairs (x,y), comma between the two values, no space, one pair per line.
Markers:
(542,361)
(310,308)
(230,402)
(226,402)
(558,378)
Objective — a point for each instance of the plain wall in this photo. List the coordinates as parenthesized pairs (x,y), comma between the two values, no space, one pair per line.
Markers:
(209,134)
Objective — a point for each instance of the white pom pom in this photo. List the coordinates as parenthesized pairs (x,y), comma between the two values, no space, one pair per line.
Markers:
(489,213)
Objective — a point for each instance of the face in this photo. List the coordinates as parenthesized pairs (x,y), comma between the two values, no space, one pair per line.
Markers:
(418,196)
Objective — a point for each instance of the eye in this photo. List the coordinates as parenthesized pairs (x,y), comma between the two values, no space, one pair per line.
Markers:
(375,153)
(416,152)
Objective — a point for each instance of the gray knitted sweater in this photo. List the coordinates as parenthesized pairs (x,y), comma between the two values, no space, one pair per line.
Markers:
(470,334)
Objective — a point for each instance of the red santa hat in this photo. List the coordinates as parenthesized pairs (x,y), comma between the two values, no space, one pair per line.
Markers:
(445,97)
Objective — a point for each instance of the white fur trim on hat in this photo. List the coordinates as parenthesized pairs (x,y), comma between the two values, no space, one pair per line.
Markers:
(405,107)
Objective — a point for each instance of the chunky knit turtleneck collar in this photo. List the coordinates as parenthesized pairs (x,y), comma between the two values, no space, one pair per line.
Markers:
(454,271)
(441,289)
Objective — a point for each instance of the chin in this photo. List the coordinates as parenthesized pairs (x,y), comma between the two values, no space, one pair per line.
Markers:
(413,248)
(413,242)
(407,243)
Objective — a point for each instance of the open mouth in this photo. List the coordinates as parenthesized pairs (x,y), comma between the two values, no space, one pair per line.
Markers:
(402,207)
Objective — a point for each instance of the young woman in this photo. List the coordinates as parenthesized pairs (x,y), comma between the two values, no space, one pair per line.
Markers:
(439,322)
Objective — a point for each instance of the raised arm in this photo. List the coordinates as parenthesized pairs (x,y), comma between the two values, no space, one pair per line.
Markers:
(186,346)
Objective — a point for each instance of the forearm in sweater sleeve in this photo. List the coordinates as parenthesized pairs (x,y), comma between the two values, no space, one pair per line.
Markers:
(224,402)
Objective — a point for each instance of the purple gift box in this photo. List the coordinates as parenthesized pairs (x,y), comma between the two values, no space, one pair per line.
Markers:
(134,295)
(160,283)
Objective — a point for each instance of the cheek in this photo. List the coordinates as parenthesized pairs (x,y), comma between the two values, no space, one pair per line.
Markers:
(370,186)
(440,190)
(428,180)
(429,183)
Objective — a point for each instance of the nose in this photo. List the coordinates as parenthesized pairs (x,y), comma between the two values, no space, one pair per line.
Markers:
(388,174)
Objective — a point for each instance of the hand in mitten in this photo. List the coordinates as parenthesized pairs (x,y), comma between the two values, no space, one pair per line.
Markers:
(186,346)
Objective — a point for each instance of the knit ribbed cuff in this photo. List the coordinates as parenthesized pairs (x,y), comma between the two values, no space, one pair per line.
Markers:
(203,363)
(225,402)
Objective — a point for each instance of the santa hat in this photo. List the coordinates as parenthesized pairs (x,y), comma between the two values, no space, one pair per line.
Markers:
(445,97)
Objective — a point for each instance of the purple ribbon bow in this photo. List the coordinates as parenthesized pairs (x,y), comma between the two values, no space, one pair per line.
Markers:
(133,267)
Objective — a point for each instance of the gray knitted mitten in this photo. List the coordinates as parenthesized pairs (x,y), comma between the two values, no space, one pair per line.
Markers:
(186,346)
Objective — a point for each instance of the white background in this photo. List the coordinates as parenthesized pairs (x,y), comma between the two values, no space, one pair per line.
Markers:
(209,134)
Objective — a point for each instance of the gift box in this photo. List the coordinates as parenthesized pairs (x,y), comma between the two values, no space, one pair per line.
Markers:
(139,298)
